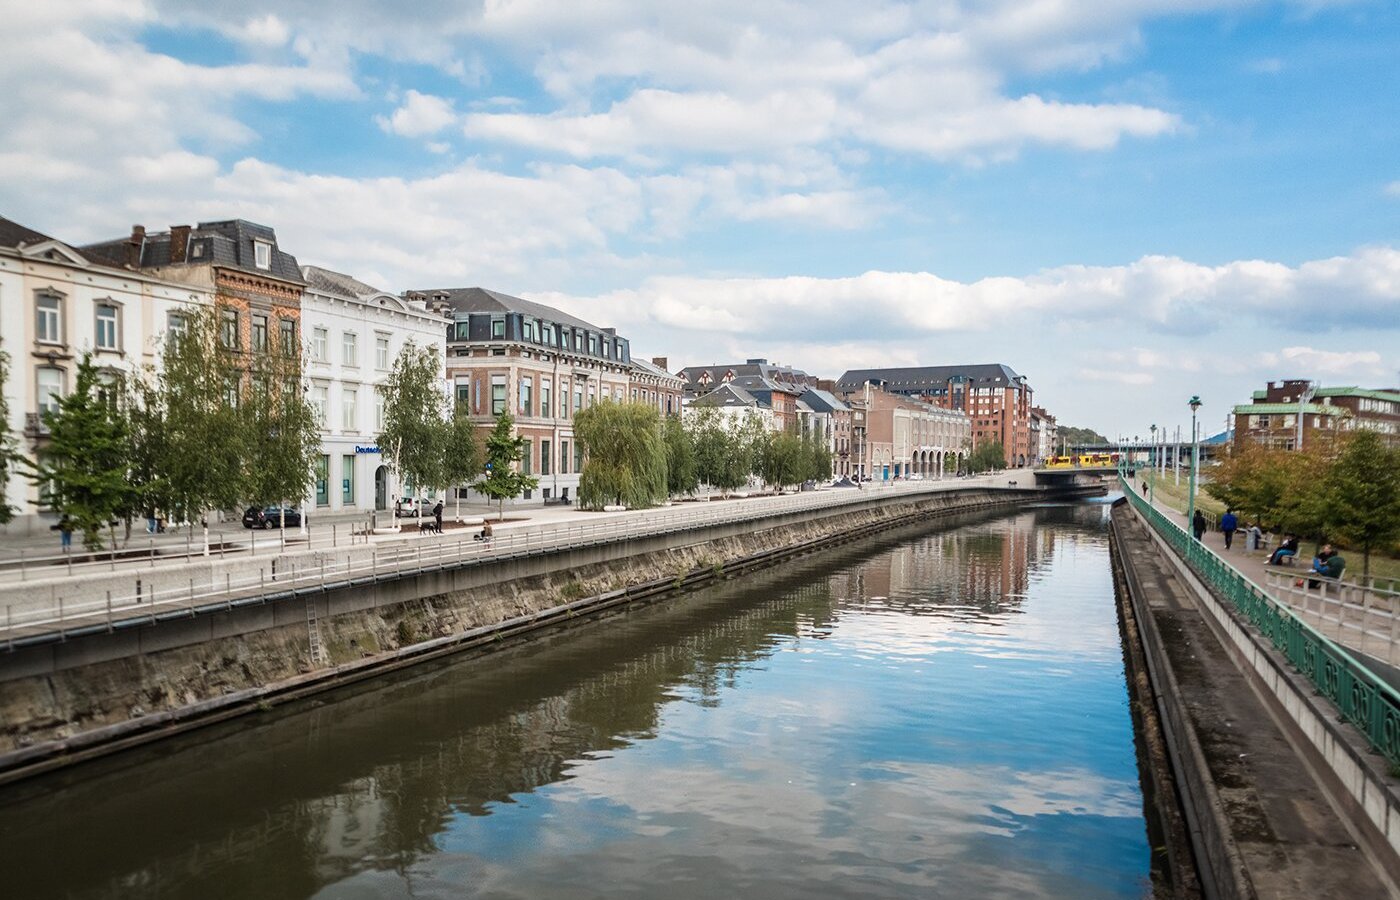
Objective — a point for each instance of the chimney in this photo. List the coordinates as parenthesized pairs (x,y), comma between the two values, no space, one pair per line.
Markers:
(179,242)
(134,245)
(660,363)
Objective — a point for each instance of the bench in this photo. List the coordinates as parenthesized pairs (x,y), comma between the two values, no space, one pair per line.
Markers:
(558,501)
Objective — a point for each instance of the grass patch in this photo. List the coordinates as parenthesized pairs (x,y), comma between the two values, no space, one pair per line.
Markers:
(1174,495)
(573,589)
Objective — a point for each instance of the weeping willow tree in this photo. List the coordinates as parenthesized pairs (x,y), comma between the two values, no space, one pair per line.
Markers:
(624,456)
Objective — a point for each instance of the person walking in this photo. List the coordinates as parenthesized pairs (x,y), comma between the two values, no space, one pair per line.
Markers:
(1198,524)
(437,517)
(1228,524)
(65,532)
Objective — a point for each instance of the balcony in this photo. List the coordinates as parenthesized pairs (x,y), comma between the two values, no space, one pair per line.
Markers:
(34,426)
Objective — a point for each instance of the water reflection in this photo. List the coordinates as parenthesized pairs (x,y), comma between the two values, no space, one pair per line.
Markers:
(927,712)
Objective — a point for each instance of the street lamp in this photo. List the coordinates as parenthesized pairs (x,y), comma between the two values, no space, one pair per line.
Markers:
(1152,468)
(1195,404)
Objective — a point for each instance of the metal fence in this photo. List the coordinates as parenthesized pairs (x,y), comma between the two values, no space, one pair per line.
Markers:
(1354,614)
(40,619)
(1365,700)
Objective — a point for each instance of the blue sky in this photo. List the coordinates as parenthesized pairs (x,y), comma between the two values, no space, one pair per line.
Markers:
(1129,202)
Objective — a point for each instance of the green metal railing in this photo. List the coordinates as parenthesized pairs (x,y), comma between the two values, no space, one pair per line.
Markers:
(1364,699)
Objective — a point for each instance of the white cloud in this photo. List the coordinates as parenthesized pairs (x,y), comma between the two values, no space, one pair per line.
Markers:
(267,31)
(419,116)
(1393,189)
(1361,364)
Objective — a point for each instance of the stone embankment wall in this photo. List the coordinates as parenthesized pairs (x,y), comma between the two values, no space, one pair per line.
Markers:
(54,714)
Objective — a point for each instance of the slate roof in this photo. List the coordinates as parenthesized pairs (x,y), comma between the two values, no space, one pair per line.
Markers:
(913,378)
(337,282)
(823,401)
(649,369)
(759,369)
(228,244)
(478,300)
(12,234)
(727,395)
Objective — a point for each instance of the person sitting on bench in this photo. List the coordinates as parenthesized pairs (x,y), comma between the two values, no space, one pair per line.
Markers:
(1287,547)
(485,534)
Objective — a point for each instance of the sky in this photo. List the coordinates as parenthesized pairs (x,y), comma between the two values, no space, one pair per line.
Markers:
(1130,202)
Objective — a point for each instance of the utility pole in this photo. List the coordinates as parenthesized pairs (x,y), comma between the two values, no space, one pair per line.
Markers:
(1176,458)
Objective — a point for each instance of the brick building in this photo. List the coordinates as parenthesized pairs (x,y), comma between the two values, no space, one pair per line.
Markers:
(997,401)
(541,364)
(897,436)
(1274,415)
(653,385)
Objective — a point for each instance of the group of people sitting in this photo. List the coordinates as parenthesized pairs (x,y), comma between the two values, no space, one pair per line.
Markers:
(1328,563)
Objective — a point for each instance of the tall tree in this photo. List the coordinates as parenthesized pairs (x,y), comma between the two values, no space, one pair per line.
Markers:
(200,386)
(1363,494)
(625,455)
(681,473)
(281,431)
(84,463)
(9,452)
(414,439)
(780,458)
(502,479)
(462,460)
(146,447)
(723,451)
(988,456)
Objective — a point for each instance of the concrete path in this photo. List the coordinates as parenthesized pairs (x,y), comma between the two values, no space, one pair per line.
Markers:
(1285,839)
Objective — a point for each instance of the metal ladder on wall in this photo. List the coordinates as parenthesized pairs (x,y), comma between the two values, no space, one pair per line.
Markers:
(313,633)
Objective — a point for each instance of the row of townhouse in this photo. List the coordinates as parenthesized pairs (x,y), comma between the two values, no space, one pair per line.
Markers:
(118,299)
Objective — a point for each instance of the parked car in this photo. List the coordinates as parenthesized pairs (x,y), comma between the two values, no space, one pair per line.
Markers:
(407,507)
(272,517)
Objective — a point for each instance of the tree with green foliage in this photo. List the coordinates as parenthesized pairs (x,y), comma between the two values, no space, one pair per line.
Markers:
(414,439)
(9,449)
(681,474)
(723,449)
(199,392)
(84,463)
(146,448)
(281,432)
(502,480)
(1362,494)
(988,456)
(781,458)
(1079,437)
(1254,480)
(462,454)
(624,455)
(817,456)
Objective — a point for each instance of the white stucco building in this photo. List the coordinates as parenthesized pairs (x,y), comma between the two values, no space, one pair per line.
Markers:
(353,333)
(57,302)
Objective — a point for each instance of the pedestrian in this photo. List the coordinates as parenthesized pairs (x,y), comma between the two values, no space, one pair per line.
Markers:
(437,517)
(65,532)
(1254,537)
(1198,524)
(1228,524)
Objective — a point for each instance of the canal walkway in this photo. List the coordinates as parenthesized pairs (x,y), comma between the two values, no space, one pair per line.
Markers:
(1362,619)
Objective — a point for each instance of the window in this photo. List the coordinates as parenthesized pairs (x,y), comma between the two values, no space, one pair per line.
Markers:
(350,349)
(323,474)
(547,334)
(578,397)
(287,329)
(527,457)
(378,410)
(381,352)
(498,394)
(174,325)
(578,457)
(545,408)
(48,389)
(106,327)
(259,334)
(593,344)
(319,340)
(228,328)
(464,396)
(349,397)
(563,398)
(48,322)
(544,457)
(262,254)
(320,399)
(592,395)
(231,391)
(527,386)
(563,457)
(498,328)
(529,329)
(347,480)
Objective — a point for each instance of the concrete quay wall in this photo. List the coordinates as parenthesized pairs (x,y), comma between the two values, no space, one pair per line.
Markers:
(65,701)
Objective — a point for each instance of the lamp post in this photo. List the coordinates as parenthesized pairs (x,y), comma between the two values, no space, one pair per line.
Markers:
(1152,467)
(1195,404)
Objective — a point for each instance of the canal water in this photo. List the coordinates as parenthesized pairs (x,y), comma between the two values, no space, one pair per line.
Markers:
(936,712)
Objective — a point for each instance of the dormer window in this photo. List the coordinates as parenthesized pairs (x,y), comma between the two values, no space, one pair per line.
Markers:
(262,254)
